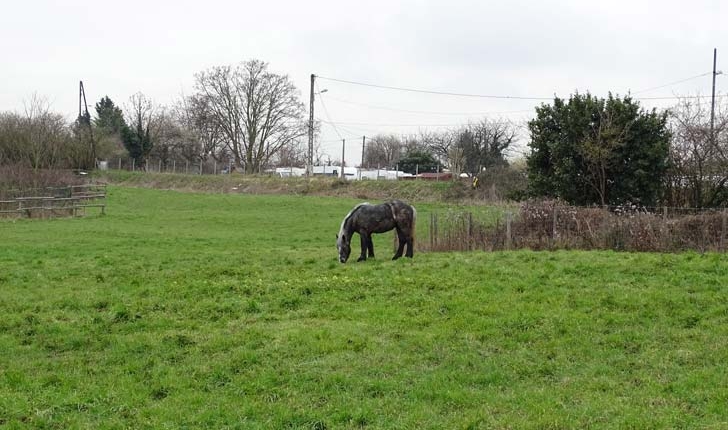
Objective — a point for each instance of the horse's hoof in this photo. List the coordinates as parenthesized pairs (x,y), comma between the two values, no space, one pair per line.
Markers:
(361,259)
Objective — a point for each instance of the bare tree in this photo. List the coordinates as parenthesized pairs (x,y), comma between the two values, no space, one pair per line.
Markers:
(488,142)
(12,138)
(443,145)
(294,154)
(383,150)
(38,138)
(597,150)
(204,136)
(144,119)
(169,139)
(699,160)
(259,112)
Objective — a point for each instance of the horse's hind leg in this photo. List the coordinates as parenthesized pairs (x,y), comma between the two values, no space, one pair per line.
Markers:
(410,246)
(402,239)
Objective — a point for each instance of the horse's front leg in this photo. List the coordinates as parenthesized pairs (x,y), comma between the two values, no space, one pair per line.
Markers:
(370,247)
(365,239)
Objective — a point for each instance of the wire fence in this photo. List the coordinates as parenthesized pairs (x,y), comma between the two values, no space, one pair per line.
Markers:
(53,202)
(158,165)
(551,225)
(214,167)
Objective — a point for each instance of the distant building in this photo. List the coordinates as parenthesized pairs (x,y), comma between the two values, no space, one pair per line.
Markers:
(288,172)
(350,173)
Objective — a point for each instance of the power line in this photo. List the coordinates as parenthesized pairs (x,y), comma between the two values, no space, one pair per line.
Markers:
(425,112)
(390,125)
(672,83)
(338,126)
(338,140)
(444,93)
(326,111)
(678,97)
(359,131)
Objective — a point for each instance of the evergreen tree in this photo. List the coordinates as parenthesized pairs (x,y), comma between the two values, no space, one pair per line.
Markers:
(109,118)
(110,129)
(418,161)
(590,150)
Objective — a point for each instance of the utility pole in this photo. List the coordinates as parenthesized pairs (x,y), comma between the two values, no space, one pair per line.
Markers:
(712,103)
(309,164)
(363,144)
(85,117)
(343,153)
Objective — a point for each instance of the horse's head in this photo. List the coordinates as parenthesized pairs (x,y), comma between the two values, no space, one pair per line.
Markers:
(343,244)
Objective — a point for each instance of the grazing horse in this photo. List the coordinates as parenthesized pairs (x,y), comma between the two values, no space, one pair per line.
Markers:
(366,219)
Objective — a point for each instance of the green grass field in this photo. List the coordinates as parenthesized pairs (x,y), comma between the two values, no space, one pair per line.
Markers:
(180,310)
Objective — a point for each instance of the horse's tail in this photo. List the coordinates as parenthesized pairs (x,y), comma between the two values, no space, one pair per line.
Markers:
(414,221)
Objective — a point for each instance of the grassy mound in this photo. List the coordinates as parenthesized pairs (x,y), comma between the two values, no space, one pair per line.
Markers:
(409,190)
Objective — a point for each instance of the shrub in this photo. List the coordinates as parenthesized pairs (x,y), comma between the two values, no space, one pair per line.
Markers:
(15,179)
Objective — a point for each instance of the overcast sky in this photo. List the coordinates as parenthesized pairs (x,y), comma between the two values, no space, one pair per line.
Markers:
(502,48)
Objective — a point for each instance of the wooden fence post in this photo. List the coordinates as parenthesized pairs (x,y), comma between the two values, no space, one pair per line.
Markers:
(508,231)
(432,232)
(554,224)
(470,230)
(723,228)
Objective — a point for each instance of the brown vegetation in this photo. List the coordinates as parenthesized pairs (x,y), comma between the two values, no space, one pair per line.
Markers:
(555,225)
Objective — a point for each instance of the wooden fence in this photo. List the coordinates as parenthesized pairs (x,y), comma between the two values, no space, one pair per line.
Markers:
(550,226)
(71,201)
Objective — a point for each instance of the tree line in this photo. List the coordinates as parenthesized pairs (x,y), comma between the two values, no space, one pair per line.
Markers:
(583,150)
(587,150)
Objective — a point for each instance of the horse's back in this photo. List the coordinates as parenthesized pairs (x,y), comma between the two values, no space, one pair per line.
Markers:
(404,214)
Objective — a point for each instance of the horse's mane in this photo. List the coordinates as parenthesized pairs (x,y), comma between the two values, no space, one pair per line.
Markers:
(346,218)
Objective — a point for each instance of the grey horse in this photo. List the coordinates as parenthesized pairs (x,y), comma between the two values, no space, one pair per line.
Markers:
(366,219)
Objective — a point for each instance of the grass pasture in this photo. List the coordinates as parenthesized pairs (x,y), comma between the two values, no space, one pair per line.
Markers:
(182,310)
